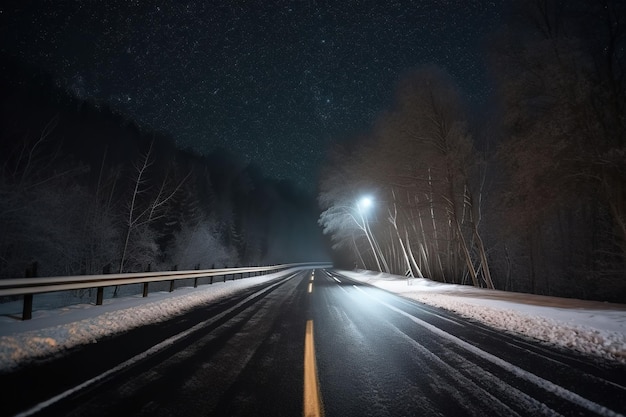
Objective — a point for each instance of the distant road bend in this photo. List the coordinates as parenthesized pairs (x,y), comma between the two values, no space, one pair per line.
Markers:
(316,343)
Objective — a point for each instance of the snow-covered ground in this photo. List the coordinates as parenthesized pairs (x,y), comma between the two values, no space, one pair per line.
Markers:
(54,330)
(590,327)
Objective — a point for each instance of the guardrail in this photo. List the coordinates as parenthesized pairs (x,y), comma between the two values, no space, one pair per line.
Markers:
(30,286)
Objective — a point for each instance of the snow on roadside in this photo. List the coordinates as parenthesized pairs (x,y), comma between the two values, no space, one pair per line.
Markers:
(589,327)
(43,336)
(592,328)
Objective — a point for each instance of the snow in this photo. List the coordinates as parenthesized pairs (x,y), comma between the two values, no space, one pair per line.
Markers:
(52,331)
(589,327)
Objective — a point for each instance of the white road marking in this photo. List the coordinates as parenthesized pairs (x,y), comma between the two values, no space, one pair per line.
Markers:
(515,370)
(137,358)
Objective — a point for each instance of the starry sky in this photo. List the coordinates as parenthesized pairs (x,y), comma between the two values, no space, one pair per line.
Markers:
(275,82)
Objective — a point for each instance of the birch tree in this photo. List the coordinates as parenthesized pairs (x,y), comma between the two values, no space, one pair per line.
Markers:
(418,159)
(345,179)
(428,149)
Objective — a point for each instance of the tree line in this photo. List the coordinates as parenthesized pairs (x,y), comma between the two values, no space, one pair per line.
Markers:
(528,195)
(84,189)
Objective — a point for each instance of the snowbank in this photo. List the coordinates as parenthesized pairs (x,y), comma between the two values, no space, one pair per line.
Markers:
(50,332)
(590,327)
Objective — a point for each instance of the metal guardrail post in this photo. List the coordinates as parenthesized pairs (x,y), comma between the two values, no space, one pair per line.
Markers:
(30,284)
(27,307)
(100,291)
(27,310)
(172,284)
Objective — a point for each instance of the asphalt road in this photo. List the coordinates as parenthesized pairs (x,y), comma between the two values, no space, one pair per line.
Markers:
(316,344)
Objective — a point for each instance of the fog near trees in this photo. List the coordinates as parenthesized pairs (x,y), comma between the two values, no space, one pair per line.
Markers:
(84,190)
(528,195)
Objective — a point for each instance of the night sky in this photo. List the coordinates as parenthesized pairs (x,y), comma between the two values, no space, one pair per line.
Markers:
(273,81)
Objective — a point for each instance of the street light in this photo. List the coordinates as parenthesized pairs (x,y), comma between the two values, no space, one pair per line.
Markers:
(365,202)
(358,212)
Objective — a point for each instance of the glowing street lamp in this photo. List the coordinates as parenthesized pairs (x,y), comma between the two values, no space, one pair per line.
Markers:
(358,211)
(365,202)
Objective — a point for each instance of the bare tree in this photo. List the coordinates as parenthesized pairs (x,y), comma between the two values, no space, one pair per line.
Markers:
(142,210)
(429,153)
(40,206)
(419,160)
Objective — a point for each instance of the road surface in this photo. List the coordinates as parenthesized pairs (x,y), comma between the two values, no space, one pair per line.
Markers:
(316,343)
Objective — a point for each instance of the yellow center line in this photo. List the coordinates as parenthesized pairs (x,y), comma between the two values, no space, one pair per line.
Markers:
(312,395)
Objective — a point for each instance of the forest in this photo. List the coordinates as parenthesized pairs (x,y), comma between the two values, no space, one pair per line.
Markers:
(527,194)
(85,190)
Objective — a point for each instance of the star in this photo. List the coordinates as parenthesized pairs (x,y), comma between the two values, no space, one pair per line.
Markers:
(215,74)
